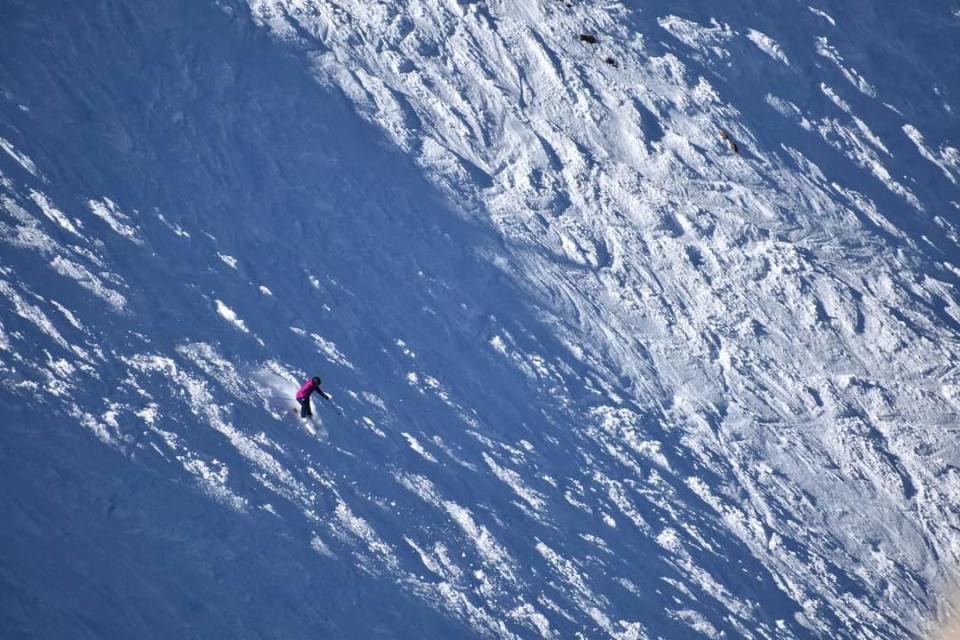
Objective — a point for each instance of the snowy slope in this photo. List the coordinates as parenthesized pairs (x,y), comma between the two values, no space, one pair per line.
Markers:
(601,374)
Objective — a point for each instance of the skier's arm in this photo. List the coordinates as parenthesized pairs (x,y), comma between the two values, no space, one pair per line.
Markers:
(324,395)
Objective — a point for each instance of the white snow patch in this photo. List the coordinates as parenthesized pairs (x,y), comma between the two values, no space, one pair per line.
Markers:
(107,211)
(416,446)
(584,597)
(71,318)
(698,623)
(513,480)
(871,137)
(405,349)
(22,159)
(375,400)
(768,45)
(19,213)
(825,49)
(213,479)
(276,385)
(100,430)
(427,559)
(230,261)
(175,228)
(86,279)
(947,158)
(31,313)
(203,405)
(493,554)
(361,529)
(527,614)
(699,37)
(372,426)
(858,143)
(216,366)
(835,97)
(62,369)
(326,347)
(321,547)
(149,414)
(49,210)
(230,316)
(824,15)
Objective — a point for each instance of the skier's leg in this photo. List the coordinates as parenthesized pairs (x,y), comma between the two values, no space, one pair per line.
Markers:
(304,408)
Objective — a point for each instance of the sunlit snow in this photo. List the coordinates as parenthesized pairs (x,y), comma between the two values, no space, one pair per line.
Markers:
(639,319)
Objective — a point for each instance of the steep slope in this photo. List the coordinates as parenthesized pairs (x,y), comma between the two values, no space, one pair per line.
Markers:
(600,374)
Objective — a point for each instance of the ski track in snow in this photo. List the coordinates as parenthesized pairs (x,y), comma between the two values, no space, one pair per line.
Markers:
(724,400)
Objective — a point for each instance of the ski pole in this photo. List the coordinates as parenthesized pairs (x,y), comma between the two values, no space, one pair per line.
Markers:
(334,404)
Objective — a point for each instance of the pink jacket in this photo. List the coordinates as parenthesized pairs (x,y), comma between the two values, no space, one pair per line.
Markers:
(305,391)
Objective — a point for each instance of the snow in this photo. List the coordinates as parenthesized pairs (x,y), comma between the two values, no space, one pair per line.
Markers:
(69,315)
(513,479)
(707,39)
(230,316)
(416,446)
(88,280)
(326,347)
(230,261)
(824,15)
(659,349)
(175,228)
(21,159)
(828,51)
(947,159)
(768,45)
(115,219)
(31,313)
(52,212)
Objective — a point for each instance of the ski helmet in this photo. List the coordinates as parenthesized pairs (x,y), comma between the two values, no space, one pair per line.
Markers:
(316,380)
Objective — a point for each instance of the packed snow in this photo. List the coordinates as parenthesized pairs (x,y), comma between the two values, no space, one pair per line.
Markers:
(640,319)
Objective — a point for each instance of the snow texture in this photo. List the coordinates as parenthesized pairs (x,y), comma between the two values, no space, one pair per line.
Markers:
(641,319)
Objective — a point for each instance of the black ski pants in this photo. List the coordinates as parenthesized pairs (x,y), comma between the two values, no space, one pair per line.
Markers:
(305,411)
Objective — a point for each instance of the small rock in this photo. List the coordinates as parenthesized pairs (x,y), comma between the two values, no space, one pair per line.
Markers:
(733,145)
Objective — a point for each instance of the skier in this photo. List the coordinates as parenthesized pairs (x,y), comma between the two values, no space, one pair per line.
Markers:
(303,396)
